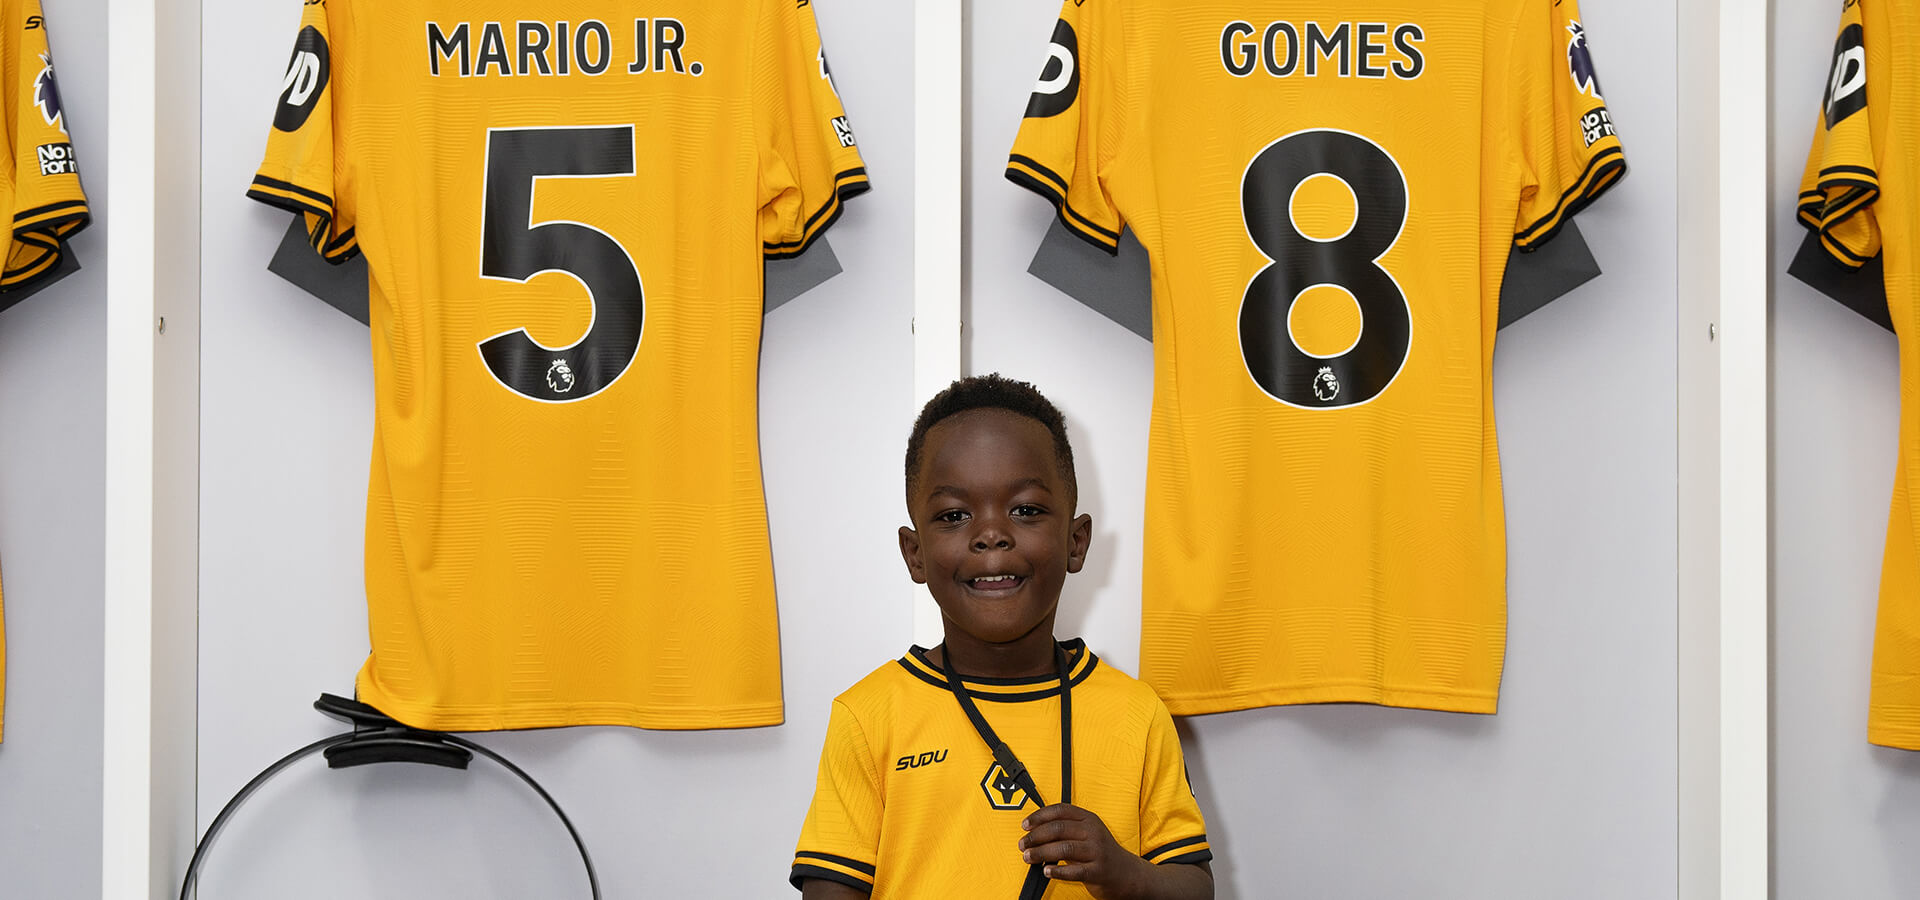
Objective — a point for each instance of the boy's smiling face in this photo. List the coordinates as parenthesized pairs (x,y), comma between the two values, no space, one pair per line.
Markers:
(994,535)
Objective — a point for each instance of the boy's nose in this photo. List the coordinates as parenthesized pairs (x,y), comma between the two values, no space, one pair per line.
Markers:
(991,538)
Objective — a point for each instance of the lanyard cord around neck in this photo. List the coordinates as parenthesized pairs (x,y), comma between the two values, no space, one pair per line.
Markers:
(1036,883)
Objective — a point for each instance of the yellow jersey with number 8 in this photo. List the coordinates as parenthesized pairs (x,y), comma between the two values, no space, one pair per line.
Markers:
(564,218)
(1328,193)
(1861,195)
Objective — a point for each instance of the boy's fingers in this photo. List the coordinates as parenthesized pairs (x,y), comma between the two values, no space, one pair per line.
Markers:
(1049,814)
(1069,872)
(1058,851)
(1054,831)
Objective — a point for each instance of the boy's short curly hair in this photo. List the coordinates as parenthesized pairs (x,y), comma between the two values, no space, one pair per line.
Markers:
(993,391)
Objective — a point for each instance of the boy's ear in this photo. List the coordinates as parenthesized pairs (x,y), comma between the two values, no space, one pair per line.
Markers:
(1082,537)
(910,553)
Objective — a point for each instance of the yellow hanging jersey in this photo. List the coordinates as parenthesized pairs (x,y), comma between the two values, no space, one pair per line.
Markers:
(1328,193)
(564,219)
(40,182)
(1861,195)
(911,805)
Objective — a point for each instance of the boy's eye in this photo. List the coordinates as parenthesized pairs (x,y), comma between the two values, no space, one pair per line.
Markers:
(950,515)
(1028,509)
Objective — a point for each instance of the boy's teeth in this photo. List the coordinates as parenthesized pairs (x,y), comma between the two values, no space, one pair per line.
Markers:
(990,579)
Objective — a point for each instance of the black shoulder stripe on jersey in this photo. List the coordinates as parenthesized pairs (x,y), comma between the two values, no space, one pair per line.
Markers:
(1077,225)
(1602,172)
(851,183)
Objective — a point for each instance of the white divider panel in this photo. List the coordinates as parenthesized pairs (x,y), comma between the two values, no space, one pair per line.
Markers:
(938,241)
(1744,489)
(127,776)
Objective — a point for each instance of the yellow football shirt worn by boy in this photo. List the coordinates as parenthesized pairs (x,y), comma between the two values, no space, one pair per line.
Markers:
(928,792)
(40,182)
(911,804)
(564,222)
(1328,199)
(1861,194)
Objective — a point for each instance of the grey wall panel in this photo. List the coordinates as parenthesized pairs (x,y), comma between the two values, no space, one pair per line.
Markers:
(52,518)
(286,429)
(1846,813)
(1570,791)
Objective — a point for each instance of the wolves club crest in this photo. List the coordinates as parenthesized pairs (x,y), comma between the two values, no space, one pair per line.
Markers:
(46,95)
(1003,790)
(1580,61)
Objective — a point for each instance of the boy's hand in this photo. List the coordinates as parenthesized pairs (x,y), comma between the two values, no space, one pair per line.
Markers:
(1078,847)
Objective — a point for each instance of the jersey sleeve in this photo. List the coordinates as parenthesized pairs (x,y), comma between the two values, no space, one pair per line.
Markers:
(1074,123)
(840,840)
(1569,153)
(809,161)
(1171,829)
(1842,180)
(300,172)
(44,199)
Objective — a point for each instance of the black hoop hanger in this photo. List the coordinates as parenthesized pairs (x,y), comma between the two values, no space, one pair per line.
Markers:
(376,738)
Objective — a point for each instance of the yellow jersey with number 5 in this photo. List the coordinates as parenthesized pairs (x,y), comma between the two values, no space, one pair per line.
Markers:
(564,217)
(1861,195)
(1328,193)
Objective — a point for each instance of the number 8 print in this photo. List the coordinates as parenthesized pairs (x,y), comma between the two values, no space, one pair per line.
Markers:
(1348,262)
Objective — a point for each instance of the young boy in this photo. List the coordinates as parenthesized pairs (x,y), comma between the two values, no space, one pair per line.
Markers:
(912,801)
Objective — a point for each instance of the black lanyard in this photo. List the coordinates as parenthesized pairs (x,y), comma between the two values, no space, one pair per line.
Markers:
(1036,883)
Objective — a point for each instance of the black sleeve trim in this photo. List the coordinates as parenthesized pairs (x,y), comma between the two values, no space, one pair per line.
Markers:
(292,205)
(1059,183)
(78,208)
(1058,193)
(851,183)
(36,270)
(292,188)
(802,871)
(849,862)
(1602,173)
(1821,215)
(1191,859)
(342,247)
(1174,845)
(1078,225)
(50,233)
